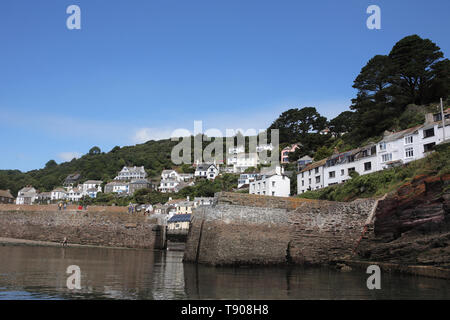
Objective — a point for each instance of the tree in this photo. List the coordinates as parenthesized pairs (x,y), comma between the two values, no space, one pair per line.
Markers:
(51,164)
(413,60)
(295,124)
(343,123)
(94,150)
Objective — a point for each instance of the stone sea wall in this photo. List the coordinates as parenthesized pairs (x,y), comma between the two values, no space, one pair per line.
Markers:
(251,229)
(92,227)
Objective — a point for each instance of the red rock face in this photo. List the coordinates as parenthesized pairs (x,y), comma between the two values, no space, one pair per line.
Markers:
(412,225)
(421,205)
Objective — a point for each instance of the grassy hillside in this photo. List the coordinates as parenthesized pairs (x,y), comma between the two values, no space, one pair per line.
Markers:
(378,183)
(153,155)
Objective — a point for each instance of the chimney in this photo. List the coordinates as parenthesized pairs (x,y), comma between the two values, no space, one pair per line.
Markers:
(187,198)
(429,118)
(278,170)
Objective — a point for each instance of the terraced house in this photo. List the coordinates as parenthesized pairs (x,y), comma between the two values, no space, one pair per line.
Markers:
(395,148)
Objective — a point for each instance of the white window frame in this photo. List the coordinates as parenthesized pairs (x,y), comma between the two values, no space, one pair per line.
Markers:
(386,157)
(409,152)
(407,138)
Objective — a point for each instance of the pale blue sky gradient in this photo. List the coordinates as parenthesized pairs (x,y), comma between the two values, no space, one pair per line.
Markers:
(140,69)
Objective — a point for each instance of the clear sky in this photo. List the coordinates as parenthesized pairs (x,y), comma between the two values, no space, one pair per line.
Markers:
(139,69)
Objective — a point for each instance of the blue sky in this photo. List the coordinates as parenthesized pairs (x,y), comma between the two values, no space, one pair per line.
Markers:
(138,69)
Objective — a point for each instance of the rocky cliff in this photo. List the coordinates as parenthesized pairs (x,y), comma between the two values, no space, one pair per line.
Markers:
(412,225)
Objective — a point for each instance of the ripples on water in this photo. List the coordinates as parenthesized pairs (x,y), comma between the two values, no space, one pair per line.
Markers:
(40,273)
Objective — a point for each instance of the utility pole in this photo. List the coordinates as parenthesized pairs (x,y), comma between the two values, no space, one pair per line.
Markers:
(443,121)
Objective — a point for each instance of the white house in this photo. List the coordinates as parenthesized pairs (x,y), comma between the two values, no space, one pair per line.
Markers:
(264,147)
(277,185)
(203,201)
(26,195)
(92,184)
(74,194)
(245,161)
(311,177)
(246,178)
(58,194)
(339,167)
(303,162)
(396,148)
(169,185)
(172,174)
(129,173)
(205,170)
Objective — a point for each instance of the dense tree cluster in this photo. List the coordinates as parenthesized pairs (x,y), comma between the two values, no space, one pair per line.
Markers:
(394,93)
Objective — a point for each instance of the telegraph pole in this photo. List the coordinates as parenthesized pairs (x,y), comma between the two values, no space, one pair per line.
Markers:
(443,121)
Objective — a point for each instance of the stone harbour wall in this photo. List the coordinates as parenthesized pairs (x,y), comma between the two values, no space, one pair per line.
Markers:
(110,229)
(247,229)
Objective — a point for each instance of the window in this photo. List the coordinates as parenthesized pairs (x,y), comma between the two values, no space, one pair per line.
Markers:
(273,193)
(367,166)
(317,170)
(428,147)
(409,152)
(318,179)
(342,172)
(428,133)
(331,174)
(309,180)
(382,145)
(386,157)
(303,175)
(351,158)
(350,170)
(273,183)
(408,139)
(303,183)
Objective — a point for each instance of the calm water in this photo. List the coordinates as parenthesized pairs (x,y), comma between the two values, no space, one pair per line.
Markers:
(40,273)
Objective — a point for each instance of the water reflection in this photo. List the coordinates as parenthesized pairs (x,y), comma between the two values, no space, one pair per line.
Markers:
(40,273)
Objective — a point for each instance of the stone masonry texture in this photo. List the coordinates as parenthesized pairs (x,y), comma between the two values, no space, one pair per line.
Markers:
(92,227)
(242,229)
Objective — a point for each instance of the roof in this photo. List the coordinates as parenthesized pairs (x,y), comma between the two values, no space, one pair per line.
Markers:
(117,183)
(134,169)
(59,190)
(140,181)
(180,218)
(90,190)
(26,189)
(6,194)
(400,134)
(204,166)
(174,201)
(168,171)
(93,182)
(315,165)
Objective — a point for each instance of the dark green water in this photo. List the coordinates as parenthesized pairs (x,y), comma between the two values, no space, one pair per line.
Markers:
(40,273)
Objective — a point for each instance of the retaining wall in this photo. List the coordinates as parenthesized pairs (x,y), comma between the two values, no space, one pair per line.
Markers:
(272,230)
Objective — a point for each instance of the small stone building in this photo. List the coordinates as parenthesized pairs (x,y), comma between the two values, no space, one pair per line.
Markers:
(6,196)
